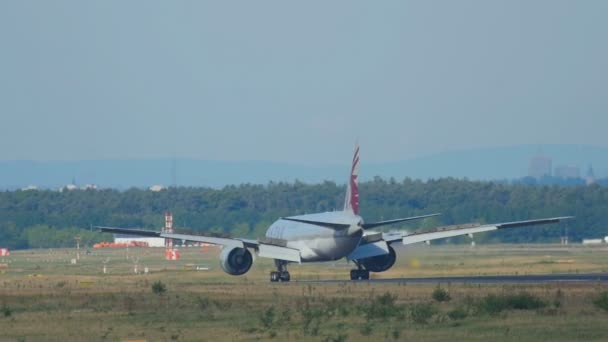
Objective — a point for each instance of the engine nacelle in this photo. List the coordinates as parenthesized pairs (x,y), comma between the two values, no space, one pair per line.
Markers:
(236,261)
(380,263)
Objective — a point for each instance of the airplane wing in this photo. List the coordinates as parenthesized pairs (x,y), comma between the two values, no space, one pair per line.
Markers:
(464,229)
(383,223)
(271,249)
(227,242)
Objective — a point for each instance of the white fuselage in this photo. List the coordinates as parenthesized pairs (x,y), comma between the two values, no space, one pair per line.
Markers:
(318,243)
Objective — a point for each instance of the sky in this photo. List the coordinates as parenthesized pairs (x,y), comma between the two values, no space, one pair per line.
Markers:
(298,81)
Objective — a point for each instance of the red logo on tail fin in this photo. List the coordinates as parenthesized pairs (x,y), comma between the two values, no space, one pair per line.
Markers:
(352,191)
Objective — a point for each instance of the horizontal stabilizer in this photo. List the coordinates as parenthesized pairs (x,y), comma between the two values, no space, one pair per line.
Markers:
(369,250)
(383,223)
(319,223)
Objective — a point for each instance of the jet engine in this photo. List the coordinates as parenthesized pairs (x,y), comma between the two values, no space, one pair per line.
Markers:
(236,261)
(380,263)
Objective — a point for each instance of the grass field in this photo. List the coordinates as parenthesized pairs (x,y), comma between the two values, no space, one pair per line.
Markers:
(43,297)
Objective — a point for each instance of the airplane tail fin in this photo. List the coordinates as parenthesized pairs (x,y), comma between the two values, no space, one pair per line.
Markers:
(351,201)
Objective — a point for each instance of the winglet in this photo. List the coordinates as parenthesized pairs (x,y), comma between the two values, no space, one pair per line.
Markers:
(351,201)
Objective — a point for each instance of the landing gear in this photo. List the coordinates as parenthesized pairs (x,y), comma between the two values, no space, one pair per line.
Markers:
(360,273)
(279,276)
(282,274)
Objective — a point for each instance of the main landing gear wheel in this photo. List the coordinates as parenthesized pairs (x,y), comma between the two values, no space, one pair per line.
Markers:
(281,274)
(360,274)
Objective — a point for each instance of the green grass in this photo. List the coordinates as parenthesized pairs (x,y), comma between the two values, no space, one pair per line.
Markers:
(49,299)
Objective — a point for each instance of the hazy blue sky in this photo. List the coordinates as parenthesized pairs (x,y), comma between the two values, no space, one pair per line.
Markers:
(298,80)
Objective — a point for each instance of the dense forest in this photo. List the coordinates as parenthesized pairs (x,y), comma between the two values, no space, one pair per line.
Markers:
(41,219)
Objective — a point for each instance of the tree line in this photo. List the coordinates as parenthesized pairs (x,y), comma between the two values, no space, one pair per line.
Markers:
(42,219)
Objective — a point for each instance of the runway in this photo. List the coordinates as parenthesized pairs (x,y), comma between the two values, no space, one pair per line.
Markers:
(506,279)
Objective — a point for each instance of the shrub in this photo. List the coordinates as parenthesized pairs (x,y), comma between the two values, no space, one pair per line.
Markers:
(396,333)
(494,304)
(311,318)
(204,303)
(524,301)
(383,306)
(129,303)
(286,315)
(338,306)
(458,313)
(366,329)
(7,311)
(159,288)
(337,338)
(602,301)
(267,318)
(557,300)
(491,304)
(441,294)
(422,312)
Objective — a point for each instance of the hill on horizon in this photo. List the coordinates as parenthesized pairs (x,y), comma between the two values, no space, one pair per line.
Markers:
(497,163)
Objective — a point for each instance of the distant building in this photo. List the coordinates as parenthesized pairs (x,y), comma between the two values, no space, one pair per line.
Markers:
(567,171)
(29,188)
(590,179)
(540,166)
(69,187)
(89,187)
(157,188)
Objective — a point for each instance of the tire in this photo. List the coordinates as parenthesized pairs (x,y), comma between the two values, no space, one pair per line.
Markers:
(359,274)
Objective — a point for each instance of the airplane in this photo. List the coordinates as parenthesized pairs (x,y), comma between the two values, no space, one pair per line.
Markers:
(329,236)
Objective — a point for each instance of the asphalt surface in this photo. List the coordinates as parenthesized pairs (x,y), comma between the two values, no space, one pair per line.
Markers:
(513,279)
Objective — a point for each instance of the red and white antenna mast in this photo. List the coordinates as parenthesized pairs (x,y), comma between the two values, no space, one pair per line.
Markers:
(170,254)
